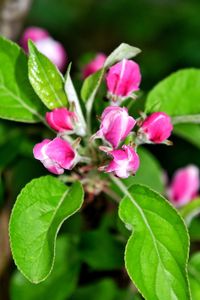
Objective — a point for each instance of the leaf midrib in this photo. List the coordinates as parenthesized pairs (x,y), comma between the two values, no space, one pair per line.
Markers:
(126,192)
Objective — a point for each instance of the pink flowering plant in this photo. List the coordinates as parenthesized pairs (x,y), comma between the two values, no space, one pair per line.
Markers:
(91,147)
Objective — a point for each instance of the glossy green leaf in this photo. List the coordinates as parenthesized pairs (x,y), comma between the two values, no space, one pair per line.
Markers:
(60,284)
(177,95)
(157,251)
(101,250)
(93,82)
(194,276)
(46,79)
(18,100)
(190,210)
(40,209)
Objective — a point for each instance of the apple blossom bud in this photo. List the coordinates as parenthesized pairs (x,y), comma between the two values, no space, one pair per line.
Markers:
(184,186)
(46,45)
(95,65)
(116,124)
(156,128)
(125,162)
(33,33)
(55,155)
(61,119)
(123,79)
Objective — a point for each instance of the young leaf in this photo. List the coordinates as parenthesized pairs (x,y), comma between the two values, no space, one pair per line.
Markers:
(40,209)
(18,100)
(177,95)
(157,251)
(122,51)
(190,210)
(60,284)
(73,99)
(93,82)
(45,79)
(194,276)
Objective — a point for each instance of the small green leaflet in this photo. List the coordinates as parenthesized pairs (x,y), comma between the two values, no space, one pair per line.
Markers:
(46,79)
(157,251)
(40,209)
(18,100)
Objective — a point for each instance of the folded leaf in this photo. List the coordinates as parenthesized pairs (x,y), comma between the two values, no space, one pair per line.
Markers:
(157,251)
(40,209)
(60,284)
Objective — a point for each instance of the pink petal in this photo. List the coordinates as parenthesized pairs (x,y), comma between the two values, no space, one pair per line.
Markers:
(61,152)
(39,150)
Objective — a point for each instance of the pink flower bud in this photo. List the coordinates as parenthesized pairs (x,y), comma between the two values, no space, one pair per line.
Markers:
(55,155)
(123,78)
(184,186)
(61,119)
(33,33)
(125,162)
(116,124)
(156,128)
(95,65)
(46,45)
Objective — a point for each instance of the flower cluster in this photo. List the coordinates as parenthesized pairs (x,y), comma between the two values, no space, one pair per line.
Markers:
(116,125)
(46,45)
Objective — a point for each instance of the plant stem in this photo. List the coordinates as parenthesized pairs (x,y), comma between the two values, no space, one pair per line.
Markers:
(112,194)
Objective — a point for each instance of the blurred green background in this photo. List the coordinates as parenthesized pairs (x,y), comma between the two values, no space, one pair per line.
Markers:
(168,32)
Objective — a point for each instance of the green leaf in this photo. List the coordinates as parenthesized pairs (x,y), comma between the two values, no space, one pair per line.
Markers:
(18,100)
(189,132)
(157,251)
(60,284)
(45,79)
(91,85)
(190,210)
(93,82)
(74,101)
(108,256)
(122,51)
(177,95)
(40,209)
(194,276)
